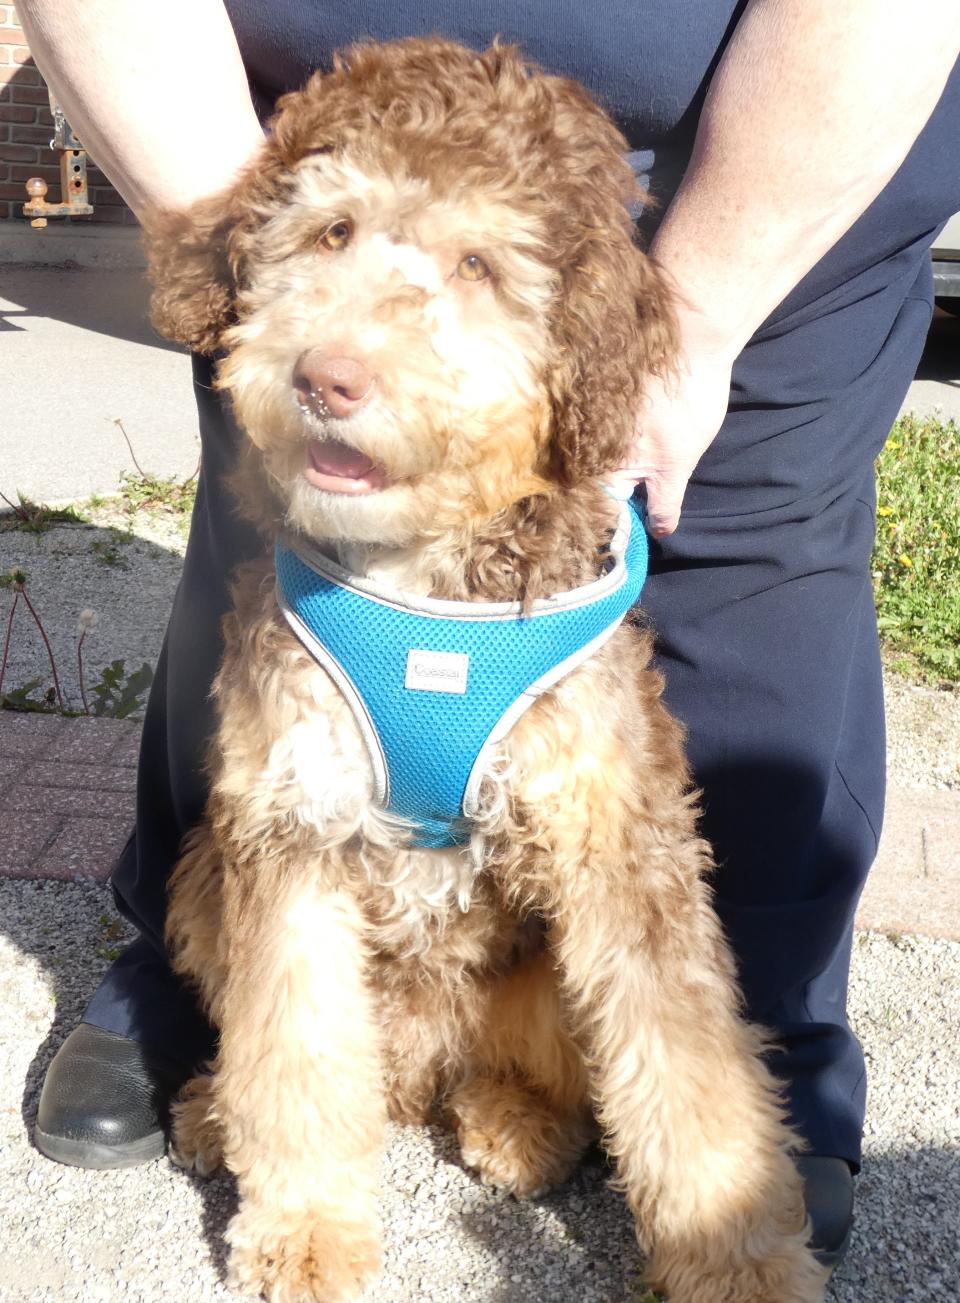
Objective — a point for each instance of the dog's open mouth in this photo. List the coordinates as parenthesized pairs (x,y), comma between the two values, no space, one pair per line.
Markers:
(338,468)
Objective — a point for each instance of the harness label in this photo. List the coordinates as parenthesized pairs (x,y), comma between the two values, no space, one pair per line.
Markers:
(437,671)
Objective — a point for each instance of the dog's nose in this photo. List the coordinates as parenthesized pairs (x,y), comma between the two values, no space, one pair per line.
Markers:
(331,385)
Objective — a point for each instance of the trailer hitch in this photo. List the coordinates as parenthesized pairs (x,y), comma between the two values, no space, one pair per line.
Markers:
(74,201)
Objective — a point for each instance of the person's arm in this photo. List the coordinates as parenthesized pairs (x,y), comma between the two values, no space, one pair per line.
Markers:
(811,111)
(160,101)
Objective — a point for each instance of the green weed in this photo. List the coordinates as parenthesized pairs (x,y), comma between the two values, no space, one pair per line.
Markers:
(120,693)
(916,561)
(107,550)
(35,517)
(154,493)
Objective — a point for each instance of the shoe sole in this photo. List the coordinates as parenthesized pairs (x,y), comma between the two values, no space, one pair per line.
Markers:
(87,1153)
(832,1258)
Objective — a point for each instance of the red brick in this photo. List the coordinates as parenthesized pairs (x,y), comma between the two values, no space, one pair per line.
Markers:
(23,56)
(84,848)
(13,190)
(14,36)
(72,801)
(20,74)
(5,209)
(23,171)
(18,153)
(26,834)
(90,777)
(31,135)
(24,94)
(17,113)
(127,750)
(27,736)
(91,740)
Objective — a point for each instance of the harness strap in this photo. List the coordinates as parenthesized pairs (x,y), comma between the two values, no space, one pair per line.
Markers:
(434,684)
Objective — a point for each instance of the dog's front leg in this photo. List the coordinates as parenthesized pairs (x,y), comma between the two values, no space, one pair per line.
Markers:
(686,1102)
(298,1091)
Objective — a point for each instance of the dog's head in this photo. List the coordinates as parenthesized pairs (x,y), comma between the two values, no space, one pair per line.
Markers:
(426,288)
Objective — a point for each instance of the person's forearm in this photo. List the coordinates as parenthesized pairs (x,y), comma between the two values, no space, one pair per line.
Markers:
(814,106)
(160,100)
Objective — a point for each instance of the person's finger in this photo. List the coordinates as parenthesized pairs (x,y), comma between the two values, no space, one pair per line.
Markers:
(664,501)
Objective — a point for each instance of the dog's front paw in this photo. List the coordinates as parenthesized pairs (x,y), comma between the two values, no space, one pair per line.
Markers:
(703,1273)
(301,1257)
(196,1142)
(512,1140)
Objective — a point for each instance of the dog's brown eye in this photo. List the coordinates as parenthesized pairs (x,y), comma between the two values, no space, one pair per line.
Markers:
(337,236)
(472,268)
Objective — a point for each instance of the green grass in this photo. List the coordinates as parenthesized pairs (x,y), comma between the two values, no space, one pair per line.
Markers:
(916,561)
(36,517)
(108,550)
(154,493)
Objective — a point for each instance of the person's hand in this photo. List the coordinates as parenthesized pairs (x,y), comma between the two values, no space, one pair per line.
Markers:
(679,418)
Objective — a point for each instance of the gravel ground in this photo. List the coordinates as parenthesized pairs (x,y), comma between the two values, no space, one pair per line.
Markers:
(923,735)
(154,1233)
(71,568)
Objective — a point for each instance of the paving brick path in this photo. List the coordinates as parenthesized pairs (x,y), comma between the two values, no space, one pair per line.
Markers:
(67,799)
(66,793)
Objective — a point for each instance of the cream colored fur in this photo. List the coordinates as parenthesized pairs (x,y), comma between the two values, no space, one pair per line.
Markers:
(565,969)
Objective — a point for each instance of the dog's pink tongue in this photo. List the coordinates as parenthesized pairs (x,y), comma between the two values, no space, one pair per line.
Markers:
(338,468)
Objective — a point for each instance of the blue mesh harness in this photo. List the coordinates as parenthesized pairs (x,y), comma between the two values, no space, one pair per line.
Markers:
(434,684)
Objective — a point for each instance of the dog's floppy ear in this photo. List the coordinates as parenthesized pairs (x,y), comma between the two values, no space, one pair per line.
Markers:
(613,325)
(193,262)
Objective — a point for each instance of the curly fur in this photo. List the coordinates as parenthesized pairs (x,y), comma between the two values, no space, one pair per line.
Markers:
(567,966)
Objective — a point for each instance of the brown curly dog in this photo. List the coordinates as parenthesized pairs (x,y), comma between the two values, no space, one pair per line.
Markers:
(435,328)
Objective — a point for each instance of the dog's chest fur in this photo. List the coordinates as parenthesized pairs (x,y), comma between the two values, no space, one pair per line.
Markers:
(291,755)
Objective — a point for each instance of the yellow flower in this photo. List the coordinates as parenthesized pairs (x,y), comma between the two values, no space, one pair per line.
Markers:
(884,511)
(905,560)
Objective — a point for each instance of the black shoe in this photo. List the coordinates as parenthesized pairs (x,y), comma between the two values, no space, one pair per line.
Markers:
(828,1194)
(105,1101)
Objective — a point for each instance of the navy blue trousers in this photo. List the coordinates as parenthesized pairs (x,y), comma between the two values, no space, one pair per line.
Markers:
(763,609)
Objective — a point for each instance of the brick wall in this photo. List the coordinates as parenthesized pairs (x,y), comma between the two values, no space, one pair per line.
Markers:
(26,127)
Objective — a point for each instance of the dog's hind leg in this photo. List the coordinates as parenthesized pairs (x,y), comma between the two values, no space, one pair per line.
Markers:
(687,1106)
(298,1087)
(607,849)
(520,1102)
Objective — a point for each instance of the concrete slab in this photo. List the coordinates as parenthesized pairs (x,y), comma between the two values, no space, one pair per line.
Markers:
(79,354)
(915,883)
(66,244)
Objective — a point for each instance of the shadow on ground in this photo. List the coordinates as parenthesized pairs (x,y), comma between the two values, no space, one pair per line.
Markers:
(104,301)
(128,581)
(166,1230)
(941,356)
